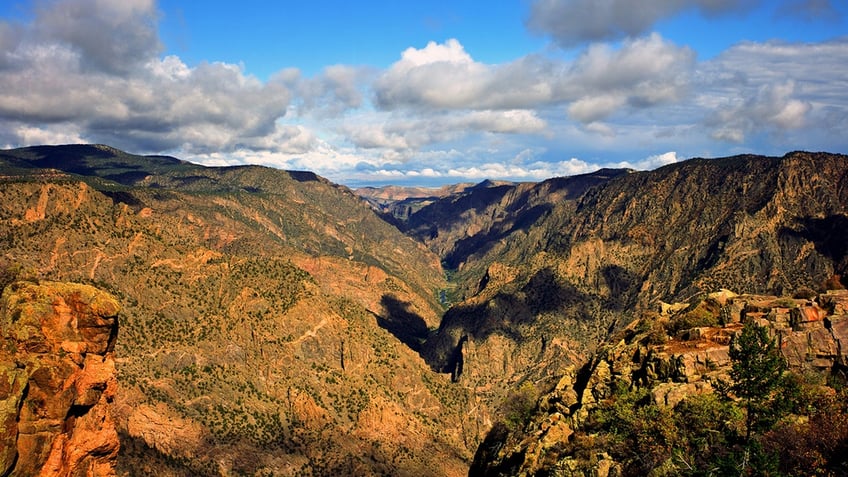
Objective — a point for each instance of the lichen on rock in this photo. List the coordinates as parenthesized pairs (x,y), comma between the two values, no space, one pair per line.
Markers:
(57,380)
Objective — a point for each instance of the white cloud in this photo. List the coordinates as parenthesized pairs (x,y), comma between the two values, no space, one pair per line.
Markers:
(600,129)
(108,36)
(641,73)
(438,75)
(401,132)
(571,167)
(774,106)
(775,88)
(650,162)
(38,135)
(596,107)
(337,89)
(644,72)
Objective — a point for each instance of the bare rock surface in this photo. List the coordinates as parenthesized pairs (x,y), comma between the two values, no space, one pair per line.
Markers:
(57,380)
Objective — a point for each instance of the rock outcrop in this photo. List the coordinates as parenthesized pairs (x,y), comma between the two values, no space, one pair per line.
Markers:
(812,335)
(57,380)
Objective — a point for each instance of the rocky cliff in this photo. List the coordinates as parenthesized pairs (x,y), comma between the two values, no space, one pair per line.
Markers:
(57,380)
(672,362)
(466,224)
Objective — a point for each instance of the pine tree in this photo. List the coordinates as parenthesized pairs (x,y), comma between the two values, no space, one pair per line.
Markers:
(757,374)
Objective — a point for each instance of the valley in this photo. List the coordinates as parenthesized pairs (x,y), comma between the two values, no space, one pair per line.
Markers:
(275,323)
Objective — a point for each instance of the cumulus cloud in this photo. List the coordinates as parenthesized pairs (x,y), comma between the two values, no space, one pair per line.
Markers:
(572,22)
(525,166)
(414,132)
(478,172)
(105,35)
(774,106)
(648,163)
(336,90)
(641,73)
(445,76)
(438,75)
(775,88)
(93,66)
(39,135)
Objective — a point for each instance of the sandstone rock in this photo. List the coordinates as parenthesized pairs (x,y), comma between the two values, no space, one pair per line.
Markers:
(12,383)
(839,330)
(671,308)
(722,296)
(57,380)
(805,314)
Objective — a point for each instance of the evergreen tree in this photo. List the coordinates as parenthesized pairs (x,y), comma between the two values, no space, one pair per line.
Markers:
(757,374)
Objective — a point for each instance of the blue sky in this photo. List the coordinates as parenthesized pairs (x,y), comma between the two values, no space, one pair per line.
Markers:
(267,36)
(369,93)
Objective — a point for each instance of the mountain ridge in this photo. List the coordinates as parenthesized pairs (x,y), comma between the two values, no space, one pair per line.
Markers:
(260,309)
(548,295)
(305,310)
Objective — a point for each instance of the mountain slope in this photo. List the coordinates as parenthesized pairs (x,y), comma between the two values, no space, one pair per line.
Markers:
(551,293)
(269,317)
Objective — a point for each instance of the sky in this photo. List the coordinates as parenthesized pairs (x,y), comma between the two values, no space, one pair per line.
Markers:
(427,93)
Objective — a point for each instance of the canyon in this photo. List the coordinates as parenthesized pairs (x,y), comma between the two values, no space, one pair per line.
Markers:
(274,323)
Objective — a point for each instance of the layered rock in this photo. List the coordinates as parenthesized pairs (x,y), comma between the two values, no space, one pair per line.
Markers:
(57,380)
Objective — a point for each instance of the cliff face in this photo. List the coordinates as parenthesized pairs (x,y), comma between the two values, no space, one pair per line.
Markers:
(464,226)
(760,224)
(547,295)
(57,380)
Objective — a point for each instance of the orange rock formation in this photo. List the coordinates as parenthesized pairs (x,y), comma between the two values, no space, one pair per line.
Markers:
(57,378)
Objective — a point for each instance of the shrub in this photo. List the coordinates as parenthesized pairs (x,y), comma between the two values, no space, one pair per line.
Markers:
(804,293)
(519,405)
(699,314)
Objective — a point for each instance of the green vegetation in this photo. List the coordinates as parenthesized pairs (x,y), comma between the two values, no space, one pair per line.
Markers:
(519,405)
(767,421)
(701,313)
(757,378)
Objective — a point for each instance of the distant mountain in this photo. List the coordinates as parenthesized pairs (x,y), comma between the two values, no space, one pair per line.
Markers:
(391,193)
(396,203)
(270,319)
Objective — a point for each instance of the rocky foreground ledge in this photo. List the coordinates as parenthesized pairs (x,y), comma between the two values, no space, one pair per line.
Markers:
(682,350)
(57,378)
